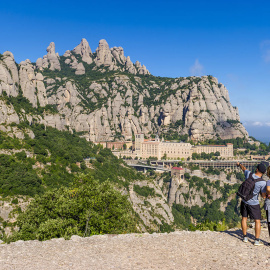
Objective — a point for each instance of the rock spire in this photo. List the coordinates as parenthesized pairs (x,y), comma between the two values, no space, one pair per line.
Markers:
(51,60)
(83,49)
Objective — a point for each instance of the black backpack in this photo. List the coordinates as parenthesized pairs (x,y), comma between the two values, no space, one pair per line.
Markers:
(246,189)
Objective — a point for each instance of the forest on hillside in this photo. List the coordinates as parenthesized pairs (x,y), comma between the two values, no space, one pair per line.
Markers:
(77,187)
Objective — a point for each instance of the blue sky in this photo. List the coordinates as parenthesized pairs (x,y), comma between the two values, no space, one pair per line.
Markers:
(227,39)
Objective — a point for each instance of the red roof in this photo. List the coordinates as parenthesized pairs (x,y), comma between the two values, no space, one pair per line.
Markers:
(177,168)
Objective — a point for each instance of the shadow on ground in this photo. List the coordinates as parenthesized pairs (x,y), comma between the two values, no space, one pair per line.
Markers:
(239,235)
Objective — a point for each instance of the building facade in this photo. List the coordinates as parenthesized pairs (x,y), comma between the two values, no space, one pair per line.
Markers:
(224,150)
(176,150)
(116,145)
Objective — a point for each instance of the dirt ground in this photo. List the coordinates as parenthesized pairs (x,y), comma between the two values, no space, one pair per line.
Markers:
(178,250)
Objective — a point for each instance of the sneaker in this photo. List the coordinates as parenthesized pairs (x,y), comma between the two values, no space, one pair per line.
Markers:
(258,243)
(245,239)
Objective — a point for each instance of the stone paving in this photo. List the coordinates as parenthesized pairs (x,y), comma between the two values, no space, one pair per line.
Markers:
(178,250)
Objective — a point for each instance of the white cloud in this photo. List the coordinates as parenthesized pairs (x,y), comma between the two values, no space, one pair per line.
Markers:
(265,48)
(196,69)
(256,124)
(260,124)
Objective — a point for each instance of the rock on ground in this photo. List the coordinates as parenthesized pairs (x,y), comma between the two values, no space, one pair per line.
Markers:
(178,250)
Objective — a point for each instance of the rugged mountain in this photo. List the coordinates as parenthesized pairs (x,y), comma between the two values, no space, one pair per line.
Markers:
(105,96)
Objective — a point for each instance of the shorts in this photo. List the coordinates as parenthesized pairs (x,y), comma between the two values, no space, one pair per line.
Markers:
(253,211)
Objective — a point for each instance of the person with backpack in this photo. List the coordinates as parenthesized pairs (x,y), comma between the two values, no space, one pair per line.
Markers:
(249,192)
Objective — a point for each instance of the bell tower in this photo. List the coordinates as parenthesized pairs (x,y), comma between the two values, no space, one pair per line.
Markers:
(139,139)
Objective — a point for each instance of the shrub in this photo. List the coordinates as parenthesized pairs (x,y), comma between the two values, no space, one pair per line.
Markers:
(15,201)
(144,191)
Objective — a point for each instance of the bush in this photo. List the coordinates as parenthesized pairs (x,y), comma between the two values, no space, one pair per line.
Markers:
(144,191)
(15,201)
(166,177)
(209,225)
(21,155)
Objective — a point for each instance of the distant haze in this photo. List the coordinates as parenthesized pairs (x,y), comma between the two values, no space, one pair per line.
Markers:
(261,133)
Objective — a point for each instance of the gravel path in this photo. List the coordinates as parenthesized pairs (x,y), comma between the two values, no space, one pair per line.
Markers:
(178,250)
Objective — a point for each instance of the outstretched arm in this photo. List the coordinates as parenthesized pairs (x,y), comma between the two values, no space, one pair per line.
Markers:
(243,168)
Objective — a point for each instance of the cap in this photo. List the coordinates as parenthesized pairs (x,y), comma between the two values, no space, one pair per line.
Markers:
(261,168)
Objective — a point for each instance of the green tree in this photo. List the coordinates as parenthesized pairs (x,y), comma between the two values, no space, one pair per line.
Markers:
(86,208)
(195,156)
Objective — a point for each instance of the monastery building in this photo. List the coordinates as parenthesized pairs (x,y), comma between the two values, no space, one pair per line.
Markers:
(175,150)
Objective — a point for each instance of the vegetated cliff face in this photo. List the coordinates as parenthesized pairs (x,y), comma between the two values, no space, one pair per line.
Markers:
(105,96)
(186,193)
(152,209)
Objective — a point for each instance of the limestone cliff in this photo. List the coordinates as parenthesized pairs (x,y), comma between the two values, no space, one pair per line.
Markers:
(105,96)
(180,191)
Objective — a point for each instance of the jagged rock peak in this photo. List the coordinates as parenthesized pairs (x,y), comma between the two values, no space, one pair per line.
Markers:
(84,50)
(143,70)
(104,56)
(103,44)
(118,53)
(130,67)
(51,60)
(51,48)
(8,53)
(138,64)
(113,58)
(26,62)
(9,79)
(10,62)
(67,53)
(53,57)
